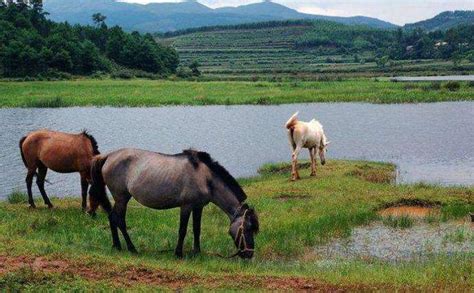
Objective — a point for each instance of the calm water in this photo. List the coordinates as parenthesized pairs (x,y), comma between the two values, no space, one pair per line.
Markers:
(435,78)
(429,142)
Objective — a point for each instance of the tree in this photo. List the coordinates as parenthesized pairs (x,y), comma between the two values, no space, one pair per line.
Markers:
(99,19)
(194,66)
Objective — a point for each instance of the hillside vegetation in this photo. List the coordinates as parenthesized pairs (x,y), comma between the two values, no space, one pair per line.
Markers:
(31,45)
(444,21)
(304,48)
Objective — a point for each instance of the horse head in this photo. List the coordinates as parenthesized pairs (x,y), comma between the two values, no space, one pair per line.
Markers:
(242,229)
(322,150)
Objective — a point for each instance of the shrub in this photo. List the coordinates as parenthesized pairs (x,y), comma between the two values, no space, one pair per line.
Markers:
(17,196)
(123,74)
(452,86)
(434,86)
(183,72)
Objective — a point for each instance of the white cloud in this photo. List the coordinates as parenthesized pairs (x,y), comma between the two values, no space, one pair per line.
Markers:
(396,11)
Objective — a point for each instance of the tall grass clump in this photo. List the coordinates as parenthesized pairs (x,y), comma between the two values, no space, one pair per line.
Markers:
(17,196)
(403,222)
(56,102)
(452,86)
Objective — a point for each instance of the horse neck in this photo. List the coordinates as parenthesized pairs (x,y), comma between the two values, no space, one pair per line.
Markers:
(224,198)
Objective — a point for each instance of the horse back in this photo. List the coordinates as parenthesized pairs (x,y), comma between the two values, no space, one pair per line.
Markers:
(61,152)
(155,180)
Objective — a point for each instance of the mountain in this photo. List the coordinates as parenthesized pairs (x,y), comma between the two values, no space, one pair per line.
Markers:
(444,21)
(162,17)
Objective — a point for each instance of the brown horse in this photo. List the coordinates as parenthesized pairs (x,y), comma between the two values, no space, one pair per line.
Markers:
(60,152)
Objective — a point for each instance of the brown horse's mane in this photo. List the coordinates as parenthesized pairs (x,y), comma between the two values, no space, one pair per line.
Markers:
(196,156)
(95,147)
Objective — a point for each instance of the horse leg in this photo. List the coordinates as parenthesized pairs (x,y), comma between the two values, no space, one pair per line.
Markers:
(84,187)
(183,226)
(312,154)
(29,183)
(120,210)
(294,164)
(113,220)
(41,176)
(197,213)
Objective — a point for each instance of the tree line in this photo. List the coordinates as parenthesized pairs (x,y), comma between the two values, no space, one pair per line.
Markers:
(400,44)
(31,45)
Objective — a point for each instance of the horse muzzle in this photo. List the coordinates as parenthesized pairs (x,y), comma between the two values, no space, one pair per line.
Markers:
(246,254)
(323,162)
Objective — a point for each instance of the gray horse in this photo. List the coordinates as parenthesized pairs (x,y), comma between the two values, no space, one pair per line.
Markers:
(189,180)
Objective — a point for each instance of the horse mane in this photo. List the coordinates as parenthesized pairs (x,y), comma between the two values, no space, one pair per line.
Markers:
(95,147)
(196,156)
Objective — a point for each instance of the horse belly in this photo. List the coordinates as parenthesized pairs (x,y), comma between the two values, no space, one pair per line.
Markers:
(158,194)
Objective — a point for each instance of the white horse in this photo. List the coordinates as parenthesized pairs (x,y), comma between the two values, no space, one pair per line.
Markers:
(308,135)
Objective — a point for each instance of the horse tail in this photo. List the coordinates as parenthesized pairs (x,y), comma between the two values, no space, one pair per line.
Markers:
(97,193)
(292,121)
(22,140)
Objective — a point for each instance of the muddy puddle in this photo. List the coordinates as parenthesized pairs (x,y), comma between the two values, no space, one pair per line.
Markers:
(381,242)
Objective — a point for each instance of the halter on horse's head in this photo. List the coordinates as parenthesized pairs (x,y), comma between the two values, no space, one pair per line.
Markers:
(243,227)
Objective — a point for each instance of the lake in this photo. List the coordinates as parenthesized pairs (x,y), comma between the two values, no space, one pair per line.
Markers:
(429,142)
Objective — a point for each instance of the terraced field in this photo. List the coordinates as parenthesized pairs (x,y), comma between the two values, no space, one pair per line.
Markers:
(262,52)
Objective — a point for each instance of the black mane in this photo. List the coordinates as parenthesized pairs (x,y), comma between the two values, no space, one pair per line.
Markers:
(95,147)
(196,156)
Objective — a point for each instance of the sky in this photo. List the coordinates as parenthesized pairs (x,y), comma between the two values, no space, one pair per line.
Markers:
(396,11)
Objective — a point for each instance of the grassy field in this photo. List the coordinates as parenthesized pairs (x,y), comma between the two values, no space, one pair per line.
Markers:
(135,93)
(65,249)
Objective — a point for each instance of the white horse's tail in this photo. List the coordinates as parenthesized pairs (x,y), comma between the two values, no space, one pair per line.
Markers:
(292,121)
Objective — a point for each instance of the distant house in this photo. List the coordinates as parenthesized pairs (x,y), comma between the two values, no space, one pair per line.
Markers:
(440,44)
(409,48)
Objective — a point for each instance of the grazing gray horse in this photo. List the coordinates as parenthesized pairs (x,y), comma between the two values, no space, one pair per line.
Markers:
(189,180)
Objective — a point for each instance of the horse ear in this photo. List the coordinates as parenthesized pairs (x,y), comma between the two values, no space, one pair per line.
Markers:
(244,207)
(327,143)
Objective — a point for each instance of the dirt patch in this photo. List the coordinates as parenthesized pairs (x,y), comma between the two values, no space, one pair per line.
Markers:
(132,275)
(413,208)
(418,212)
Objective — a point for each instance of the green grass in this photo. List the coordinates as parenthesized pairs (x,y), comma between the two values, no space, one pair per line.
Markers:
(294,217)
(135,93)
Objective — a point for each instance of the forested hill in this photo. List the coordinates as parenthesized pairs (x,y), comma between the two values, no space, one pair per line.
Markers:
(444,21)
(163,17)
(31,45)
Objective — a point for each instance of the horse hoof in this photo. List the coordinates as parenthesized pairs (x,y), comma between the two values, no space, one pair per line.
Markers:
(118,248)
(313,175)
(32,206)
(133,251)
(91,214)
(50,206)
